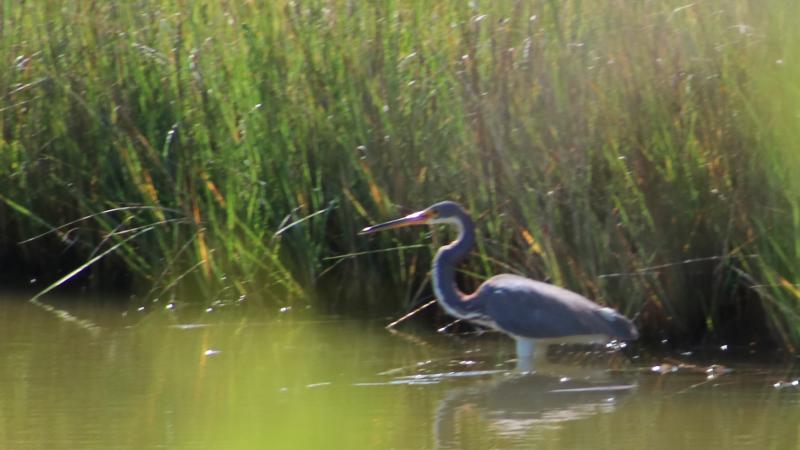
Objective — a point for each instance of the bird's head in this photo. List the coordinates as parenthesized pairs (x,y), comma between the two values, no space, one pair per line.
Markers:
(442,212)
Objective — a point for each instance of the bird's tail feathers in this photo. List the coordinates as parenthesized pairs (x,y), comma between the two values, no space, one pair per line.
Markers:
(621,327)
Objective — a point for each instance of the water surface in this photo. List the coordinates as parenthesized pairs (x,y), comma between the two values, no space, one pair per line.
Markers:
(344,384)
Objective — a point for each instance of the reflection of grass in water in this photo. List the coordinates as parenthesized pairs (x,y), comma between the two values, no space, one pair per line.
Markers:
(587,139)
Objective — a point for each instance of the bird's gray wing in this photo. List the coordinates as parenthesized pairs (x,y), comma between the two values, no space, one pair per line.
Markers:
(528,308)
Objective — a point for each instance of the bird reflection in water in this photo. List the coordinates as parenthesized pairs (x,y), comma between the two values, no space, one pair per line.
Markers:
(514,406)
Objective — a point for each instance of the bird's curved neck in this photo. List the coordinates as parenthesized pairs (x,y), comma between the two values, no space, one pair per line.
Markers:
(444,268)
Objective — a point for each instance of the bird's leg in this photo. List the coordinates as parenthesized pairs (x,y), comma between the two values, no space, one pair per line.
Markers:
(526,353)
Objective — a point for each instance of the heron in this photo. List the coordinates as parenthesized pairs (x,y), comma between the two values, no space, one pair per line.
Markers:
(528,311)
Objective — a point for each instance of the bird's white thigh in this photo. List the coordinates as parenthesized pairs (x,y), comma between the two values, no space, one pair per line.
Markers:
(526,350)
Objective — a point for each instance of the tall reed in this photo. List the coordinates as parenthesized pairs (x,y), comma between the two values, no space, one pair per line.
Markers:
(642,154)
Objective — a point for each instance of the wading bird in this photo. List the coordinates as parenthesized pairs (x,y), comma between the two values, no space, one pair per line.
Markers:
(527,310)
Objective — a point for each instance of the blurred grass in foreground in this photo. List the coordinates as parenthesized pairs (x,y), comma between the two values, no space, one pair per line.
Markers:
(642,153)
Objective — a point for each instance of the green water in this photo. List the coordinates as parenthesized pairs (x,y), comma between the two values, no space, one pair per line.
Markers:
(343,384)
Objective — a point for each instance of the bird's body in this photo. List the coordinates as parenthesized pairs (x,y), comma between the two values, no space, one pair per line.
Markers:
(537,304)
(525,309)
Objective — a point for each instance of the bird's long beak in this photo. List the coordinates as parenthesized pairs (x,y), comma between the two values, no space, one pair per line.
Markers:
(417,218)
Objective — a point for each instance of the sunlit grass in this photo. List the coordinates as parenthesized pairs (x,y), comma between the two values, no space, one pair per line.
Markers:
(643,154)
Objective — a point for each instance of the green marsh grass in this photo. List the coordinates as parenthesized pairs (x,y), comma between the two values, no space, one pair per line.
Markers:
(641,153)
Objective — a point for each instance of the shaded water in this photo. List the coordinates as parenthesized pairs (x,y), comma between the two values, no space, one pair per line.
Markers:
(323,384)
